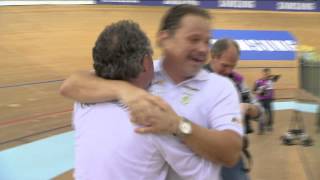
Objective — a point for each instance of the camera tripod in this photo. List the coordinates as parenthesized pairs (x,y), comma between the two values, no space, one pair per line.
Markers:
(296,133)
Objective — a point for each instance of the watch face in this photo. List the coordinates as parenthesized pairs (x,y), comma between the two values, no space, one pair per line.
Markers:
(185,128)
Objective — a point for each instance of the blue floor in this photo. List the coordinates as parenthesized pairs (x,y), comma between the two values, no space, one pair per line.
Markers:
(39,160)
(50,157)
(302,107)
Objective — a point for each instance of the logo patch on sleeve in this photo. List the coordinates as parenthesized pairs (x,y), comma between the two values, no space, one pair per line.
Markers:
(236,120)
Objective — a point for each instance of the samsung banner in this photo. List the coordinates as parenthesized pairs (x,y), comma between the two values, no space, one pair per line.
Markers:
(261,45)
(275,5)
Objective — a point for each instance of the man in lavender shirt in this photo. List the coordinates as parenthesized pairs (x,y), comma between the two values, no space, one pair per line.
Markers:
(122,51)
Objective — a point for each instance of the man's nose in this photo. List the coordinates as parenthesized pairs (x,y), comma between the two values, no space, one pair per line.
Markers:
(203,47)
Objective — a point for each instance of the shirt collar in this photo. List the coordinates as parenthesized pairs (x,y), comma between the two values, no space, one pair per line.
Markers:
(202,75)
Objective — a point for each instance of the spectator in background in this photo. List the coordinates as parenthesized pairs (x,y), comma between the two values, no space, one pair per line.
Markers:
(224,57)
(264,91)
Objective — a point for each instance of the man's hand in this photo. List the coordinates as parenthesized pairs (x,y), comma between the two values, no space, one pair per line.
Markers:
(160,121)
(249,109)
(244,107)
(139,101)
(151,112)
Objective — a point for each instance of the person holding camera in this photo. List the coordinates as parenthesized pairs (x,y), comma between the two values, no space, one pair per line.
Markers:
(264,91)
(224,57)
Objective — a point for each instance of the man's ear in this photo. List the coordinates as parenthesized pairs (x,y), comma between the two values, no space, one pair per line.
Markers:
(146,63)
(162,36)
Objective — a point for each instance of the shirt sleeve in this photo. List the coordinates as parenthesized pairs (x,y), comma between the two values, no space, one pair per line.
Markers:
(224,112)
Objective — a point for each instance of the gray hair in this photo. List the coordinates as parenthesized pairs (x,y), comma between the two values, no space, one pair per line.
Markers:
(119,51)
(222,45)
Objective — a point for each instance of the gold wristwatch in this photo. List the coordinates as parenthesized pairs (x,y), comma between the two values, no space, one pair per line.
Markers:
(184,127)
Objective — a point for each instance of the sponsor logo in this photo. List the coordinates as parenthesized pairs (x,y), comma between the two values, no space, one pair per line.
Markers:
(236,4)
(174,2)
(120,1)
(295,6)
(265,45)
(261,45)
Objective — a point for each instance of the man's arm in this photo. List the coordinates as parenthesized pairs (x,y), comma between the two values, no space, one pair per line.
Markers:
(252,108)
(220,144)
(217,146)
(193,163)
(84,86)
(221,147)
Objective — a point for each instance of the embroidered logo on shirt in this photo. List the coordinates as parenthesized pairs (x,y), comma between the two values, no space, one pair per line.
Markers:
(235,120)
(185,99)
(187,94)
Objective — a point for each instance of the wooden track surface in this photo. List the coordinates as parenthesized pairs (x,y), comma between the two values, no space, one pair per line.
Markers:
(42,45)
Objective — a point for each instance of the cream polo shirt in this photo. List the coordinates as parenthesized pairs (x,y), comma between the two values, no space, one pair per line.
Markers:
(208,99)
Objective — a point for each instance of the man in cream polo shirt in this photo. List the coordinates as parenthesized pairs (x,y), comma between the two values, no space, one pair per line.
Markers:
(207,99)
(207,132)
(190,100)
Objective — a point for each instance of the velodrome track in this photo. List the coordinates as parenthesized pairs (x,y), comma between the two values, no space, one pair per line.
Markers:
(41,45)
